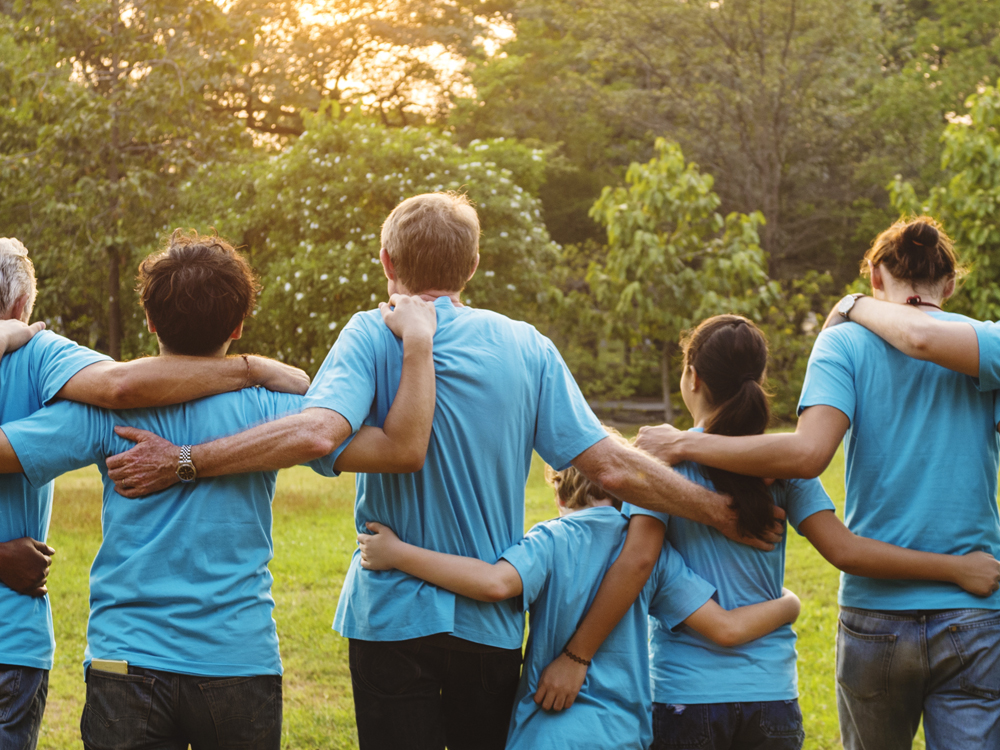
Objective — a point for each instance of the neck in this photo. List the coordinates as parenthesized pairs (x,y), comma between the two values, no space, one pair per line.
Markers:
(166,351)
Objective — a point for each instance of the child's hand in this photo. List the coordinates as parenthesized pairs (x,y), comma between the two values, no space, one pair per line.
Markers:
(378,549)
(978,573)
(794,605)
(560,683)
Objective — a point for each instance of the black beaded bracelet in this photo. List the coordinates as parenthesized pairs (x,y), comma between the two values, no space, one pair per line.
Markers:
(574,657)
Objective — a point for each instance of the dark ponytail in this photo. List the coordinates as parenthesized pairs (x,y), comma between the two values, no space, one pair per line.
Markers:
(729,354)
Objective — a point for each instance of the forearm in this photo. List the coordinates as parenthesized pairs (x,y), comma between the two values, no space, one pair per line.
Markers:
(285,442)
(874,559)
(949,344)
(401,444)
(779,455)
(466,576)
(757,620)
(157,381)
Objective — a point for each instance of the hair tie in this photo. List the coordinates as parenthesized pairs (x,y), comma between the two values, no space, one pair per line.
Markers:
(748,378)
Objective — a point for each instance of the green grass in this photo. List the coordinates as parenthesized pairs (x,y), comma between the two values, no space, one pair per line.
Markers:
(314,540)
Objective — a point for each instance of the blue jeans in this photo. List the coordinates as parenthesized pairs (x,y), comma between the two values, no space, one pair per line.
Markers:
(894,666)
(151,710)
(22,702)
(771,725)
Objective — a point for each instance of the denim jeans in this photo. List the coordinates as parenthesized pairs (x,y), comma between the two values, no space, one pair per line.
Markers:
(151,710)
(23,691)
(894,666)
(770,725)
(425,693)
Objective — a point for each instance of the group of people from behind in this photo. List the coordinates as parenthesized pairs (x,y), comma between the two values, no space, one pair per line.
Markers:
(438,408)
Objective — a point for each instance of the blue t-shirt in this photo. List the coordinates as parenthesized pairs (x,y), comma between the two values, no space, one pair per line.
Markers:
(562,564)
(502,390)
(29,378)
(988,336)
(180,582)
(685,666)
(921,458)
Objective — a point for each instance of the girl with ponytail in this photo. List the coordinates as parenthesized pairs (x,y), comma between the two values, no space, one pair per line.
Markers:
(742,695)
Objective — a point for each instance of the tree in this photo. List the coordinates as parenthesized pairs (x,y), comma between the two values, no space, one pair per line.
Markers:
(310,216)
(965,200)
(672,258)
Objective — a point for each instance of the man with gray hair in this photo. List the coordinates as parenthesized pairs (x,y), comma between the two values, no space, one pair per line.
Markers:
(44,367)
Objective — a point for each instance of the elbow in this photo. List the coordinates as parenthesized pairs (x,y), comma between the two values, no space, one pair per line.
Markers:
(411,461)
(917,341)
(495,591)
(119,392)
(812,462)
(726,635)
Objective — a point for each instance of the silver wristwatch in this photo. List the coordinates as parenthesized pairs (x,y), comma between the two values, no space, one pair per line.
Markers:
(185,468)
(845,305)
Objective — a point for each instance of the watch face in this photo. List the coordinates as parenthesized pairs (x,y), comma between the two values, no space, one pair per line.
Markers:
(845,305)
(185,472)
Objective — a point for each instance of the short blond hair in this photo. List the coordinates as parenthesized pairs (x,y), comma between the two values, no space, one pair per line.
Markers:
(433,241)
(574,489)
(17,276)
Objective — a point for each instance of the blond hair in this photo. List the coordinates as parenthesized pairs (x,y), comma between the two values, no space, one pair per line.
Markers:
(574,489)
(433,241)
(17,276)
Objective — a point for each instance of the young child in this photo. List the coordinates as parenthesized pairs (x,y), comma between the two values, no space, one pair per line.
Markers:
(713,698)
(555,570)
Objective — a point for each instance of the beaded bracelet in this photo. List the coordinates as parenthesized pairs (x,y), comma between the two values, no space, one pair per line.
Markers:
(574,657)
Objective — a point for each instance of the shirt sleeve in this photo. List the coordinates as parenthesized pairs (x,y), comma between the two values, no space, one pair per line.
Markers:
(829,377)
(629,510)
(60,438)
(532,559)
(56,360)
(803,498)
(988,337)
(346,381)
(677,591)
(566,426)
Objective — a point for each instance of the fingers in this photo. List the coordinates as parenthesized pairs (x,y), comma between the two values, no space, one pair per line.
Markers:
(43,547)
(133,433)
(779,512)
(37,327)
(374,526)
(759,544)
(38,593)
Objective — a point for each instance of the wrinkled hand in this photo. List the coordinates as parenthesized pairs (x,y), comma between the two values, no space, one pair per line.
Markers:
(24,566)
(662,441)
(378,549)
(726,525)
(979,573)
(149,467)
(560,683)
(408,317)
(277,376)
(14,334)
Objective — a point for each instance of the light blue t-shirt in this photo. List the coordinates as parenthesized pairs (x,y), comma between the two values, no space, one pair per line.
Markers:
(562,564)
(921,458)
(988,336)
(502,390)
(685,666)
(29,378)
(180,582)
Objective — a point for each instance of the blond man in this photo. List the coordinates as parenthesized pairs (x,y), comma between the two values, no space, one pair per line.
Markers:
(431,668)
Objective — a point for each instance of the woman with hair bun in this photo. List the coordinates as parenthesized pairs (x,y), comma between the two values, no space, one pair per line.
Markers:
(921,456)
(740,695)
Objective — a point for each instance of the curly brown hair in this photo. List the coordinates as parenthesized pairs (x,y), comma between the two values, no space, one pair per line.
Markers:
(574,489)
(196,292)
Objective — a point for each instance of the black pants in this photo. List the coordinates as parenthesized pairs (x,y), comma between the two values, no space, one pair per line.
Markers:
(428,693)
(147,709)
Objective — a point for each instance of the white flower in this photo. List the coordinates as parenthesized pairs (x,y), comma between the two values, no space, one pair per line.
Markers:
(343,279)
(288,287)
(504,234)
(364,277)
(323,277)
(374,296)
(299,296)
(512,287)
(490,274)
(298,274)
(332,325)
(312,315)
(299,329)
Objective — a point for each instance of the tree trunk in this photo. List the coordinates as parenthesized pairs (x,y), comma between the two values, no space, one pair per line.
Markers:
(668,407)
(114,304)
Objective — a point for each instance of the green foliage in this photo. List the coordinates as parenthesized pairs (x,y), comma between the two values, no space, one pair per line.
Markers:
(309,217)
(672,259)
(966,200)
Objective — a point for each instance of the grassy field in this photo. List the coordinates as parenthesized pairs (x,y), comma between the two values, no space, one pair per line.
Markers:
(314,539)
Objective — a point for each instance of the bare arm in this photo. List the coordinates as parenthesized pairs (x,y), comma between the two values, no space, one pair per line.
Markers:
(977,572)
(468,576)
(915,333)
(9,462)
(151,465)
(174,379)
(804,453)
(24,562)
(561,680)
(637,478)
(734,627)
